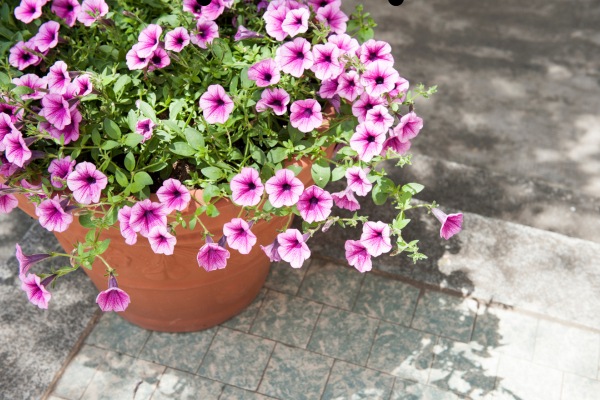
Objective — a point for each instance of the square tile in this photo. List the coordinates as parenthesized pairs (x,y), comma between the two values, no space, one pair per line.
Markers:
(343,335)
(525,380)
(387,299)
(331,284)
(286,319)
(445,315)
(79,372)
(114,333)
(402,352)
(567,348)
(243,321)
(236,358)
(295,374)
(181,385)
(465,368)
(404,390)
(578,387)
(183,351)
(506,332)
(233,393)
(286,279)
(348,381)
(124,377)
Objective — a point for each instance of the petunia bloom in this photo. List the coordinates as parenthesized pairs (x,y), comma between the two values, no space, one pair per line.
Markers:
(8,202)
(134,60)
(16,151)
(146,215)
(67,10)
(177,39)
(113,298)
(292,247)
(376,51)
(274,23)
(52,216)
(246,187)
(284,189)
(216,105)
(295,22)
(33,82)
(161,241)
(357,181)
(26,261)
(91,11)
(47,36)
(333,17)
(36,290)
(380,118)
(376,238)
(294,57)
(349,86)
(379,78)
(276,99)
(144,127)
(264,73)
(346,200)
(271,251)
(58,78)
(326,63)
(451,223)
(159,59)
(86,183)
(409,127)
(148,40)
(127,231)
(21,56)
(396,144)
(174,195)
(6,127)
(239,236)
(347,44)
(85,84)
(206,32)
(245,33)
(212,256)
(358,256)
(306,115)
(328,88)
(366,102)
(367,141)
(316,4)
(56,110)
(28,10)
(314,204)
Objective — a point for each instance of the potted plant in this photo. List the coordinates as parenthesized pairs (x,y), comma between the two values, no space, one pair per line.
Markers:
(168,145)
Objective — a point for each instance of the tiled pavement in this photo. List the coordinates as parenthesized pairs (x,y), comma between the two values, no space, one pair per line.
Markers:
(328,332)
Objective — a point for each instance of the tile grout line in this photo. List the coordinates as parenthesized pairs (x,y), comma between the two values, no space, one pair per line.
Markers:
(303,278)
(262,376)
(433,357)
(207,350)
(474,322)
(419,297)
(314,328)
(373,343)
(358,292)
(328,376)
(262,303)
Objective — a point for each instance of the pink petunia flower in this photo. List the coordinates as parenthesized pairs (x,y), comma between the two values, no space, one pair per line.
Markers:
(59,170)
(376,238)
(15,113)
(239,236)
(358,256)
(294,57)
(349,86)
(295,22)
(47,36)
(376,51)
(58,78)
(316,4)
(347,44)
(33,82)
(380,118)
(207,31)
(379,78)
(7,169)
(306,115)
(29,10)
(399,91)
(357,181)
(193,6)
(328,88)
(113,298)
(177,39)
(161,241)
(264,73)
(86,183)
(409,127)
(6,127)
(148,40)
(326,63)
(216,105)
(27,261)
(21,56)
(174,195)
(245,33)
(144,127)
(8,202)
(246,187)
(125,227)
(16,150)
(271,251)
(69,133)
(396,144)
(36,290)
(346,200)
(274,23)
(451,223)
(367,141)
(67,10)
(212,256)
(52,215)
(314,204)
(276,99)
(85,84)
(159,59)
(284,189)
(91,11)
(361,107)
(56,110)
(333,17)
(134,60)
(146,215)
(292,247)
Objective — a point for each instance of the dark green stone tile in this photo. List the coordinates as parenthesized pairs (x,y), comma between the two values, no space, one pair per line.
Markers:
(402,352)
(331,284)
(295,374)
(445,315)
(233,393)
(387,299)
(343,335)
(283,278)
(114,333)
(179,385)
(79,372)
(243,320)
(286,319)
(348,381)
(178,350)
(404,390)
(236,358)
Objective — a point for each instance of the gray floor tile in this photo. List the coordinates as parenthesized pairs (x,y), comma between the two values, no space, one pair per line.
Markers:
(578,387)
(445,315)
(404,390)
(114,333)
(283,278)
(236,358)
(179,385)
(387,299)
(402,352)
(178,350)
(343,335)
(525,380)
(286,319)
(295,374)
(331,284)
(348,381)
(243,320)
(233,393)
(79,372)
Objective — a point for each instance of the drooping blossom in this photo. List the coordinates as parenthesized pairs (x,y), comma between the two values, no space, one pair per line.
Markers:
(177,39)
(365,103)
(294,57)
(52,215)
(161,241)
(292,247)
(376,238)
(216,105)
(264,73)
(306,115)
(271,251)
(69,133)
(146,215)
(246,187)
(380,118)
(6,127)
(358,256)
(399,91)
(245,33)
(144,127)
(346,43)
(58,78)
(113,298)
(357,181)
(7,168)
(8,202)
(314,204)
(56,110)
(36,290)
(239,236)
(212,256)
(174,195)
(21,56)
(134,60)
(148,40)
(86,183)
(295,22)
(349,86)
(26,261)
(207,31)
(159,59)
(67,10)
(28,10)
(59,170)
(284,189)
(379,78)
(367,141)
(33,82)
(277,99)
(333,17)
(15,113)
(85,84)
(396,144)
(376,51)
(328,88)
(274,23)
(127,231)
(16,150)
(326,63)
(91,11)
(451,223)
(346,200)
(409,127)
(47,36)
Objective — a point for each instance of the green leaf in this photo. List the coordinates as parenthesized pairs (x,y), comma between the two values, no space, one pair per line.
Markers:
(102,246)
(21,90)
(182,148)
(112,129)
(175,108)
(213,173)
(295,168)
(133,139)
(400,224)
(4,79)
(143,178)
(148,111)
(132,120)
(86,220)
(233,86)
(412,188)
(109,144)
(96,138)
(158,167)
(194,138)
(120,84)
(212,210)
(172,125)
(338,173)
(321,173)
(278,154)
(246,82)
(121,177)
(209,192)
(129,161)
(382,190)
(135,187)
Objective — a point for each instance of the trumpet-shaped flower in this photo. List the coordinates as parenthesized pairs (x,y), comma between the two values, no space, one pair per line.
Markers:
(346,200)
(146,215)
(265,73)
(451,223)
(212,256)
(326,63)
(376,51)
(144,127)
(294,57)
(47,36)
(36,290)
(274,23)
(26,261)
(91,11)
(113,298)
(380,77)
(239,236)
(16,150)
(358,256)
(33,82)
(349,86)
(53,216)
(333,17)
(328,88)
(284,189)
(361,107)
(161,241)
(21,56)
(67,10)
(177,39)
(245,33)
(347,44)
(58,78)
(396,145)
(148,40)
(6,127)
(367,141)
(246,187)
(86,183)
(85,84)
(357,181)
(409,127)
(135,60)
(174,195)
(216,105)
(271,251)
(275,99)
(306,115)
(376,238)
(207,31)
(28,10)
(314,204)
(8,202)
(127,231)
(380,118)
(292,247)
(56,110)
(159,59)
(295,22)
